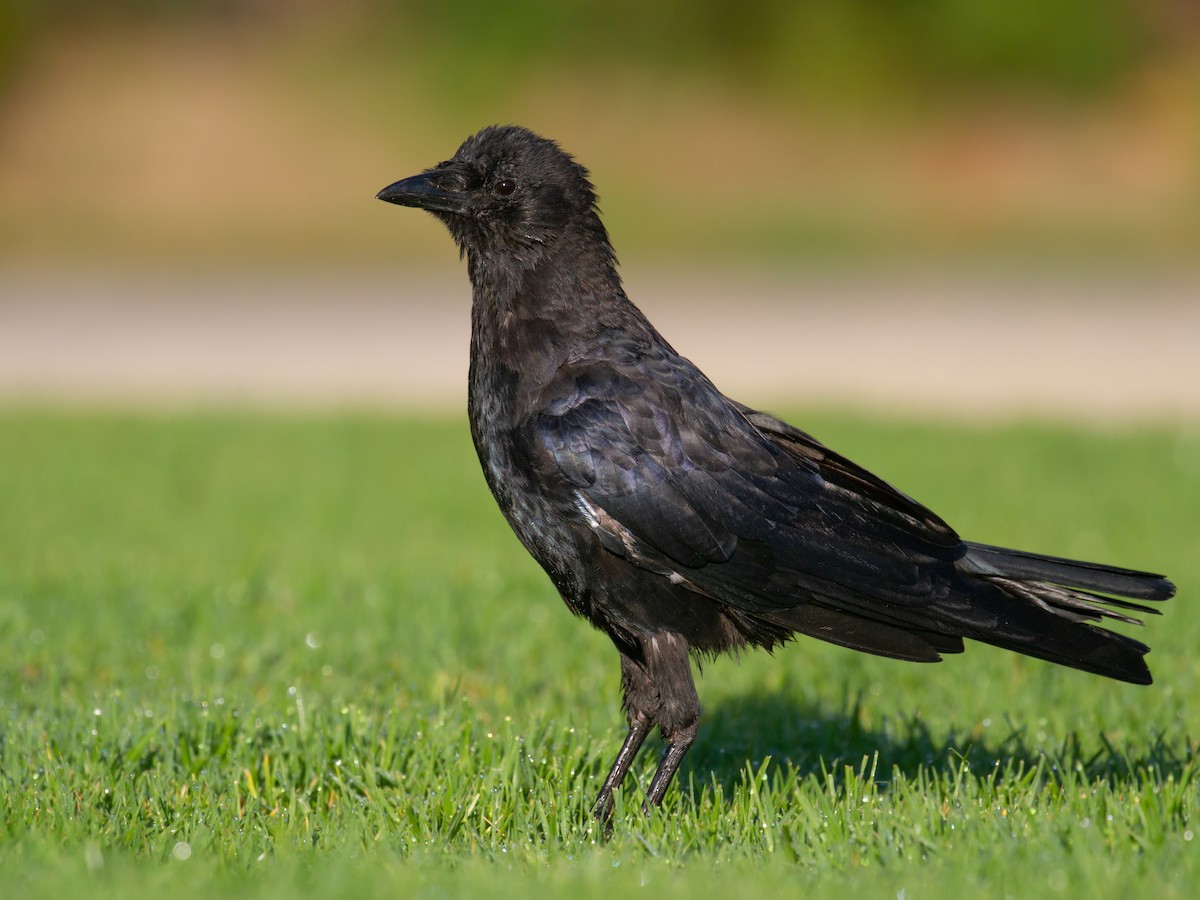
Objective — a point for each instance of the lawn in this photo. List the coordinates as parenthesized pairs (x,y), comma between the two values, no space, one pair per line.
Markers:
(304,656)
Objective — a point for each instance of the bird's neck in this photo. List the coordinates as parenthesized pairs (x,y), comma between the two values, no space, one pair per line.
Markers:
(563,296)
(526,323)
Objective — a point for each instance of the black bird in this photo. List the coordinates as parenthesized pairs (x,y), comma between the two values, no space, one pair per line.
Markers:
(680,522)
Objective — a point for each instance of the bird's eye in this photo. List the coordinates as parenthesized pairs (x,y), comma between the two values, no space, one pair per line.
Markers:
(504,187)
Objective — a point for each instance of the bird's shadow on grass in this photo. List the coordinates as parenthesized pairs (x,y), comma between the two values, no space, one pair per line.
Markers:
(741,733)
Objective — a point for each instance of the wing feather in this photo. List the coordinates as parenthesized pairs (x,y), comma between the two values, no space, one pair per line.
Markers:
(748,509)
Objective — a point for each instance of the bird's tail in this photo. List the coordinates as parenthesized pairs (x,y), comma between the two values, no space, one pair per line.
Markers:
(1056,599)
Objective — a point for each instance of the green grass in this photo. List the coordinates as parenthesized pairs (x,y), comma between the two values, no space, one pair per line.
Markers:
(305,656)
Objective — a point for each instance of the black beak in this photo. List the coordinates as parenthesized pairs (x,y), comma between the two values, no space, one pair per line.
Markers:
(422,192)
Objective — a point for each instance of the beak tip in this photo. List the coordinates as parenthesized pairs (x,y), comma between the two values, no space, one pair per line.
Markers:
(421,192)
(388,194)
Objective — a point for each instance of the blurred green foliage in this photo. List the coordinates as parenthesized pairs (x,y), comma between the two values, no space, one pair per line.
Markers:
(816,49)
(821,47)
(1046,128)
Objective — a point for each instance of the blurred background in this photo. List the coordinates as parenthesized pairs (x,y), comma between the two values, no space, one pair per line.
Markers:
(187,213)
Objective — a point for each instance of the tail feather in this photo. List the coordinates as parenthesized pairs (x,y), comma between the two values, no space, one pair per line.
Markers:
(1056,598)
(1076,645)
(982,559)
(1076,605)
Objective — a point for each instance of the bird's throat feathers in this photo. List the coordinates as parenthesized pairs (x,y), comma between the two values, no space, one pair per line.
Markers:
(506,265)
(565,290)
(529,323)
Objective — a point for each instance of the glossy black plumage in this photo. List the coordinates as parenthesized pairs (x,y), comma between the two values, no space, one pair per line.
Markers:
(679,521)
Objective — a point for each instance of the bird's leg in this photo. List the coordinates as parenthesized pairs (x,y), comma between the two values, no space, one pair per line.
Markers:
(639,727)
(640,701)
(677,715)
(658,690)
(681,742)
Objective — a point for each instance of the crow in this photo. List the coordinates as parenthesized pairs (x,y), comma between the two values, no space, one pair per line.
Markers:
(682,523)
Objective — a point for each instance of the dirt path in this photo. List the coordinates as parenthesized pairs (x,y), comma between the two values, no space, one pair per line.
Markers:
(1093,350)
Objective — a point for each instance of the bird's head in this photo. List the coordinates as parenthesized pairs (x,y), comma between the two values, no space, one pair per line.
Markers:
(506,195)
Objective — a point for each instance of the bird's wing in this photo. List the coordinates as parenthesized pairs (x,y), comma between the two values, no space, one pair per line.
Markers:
(845,475)
(735,504)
